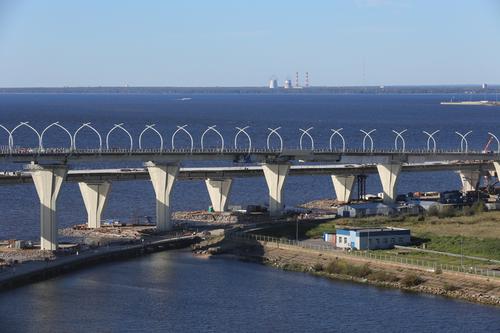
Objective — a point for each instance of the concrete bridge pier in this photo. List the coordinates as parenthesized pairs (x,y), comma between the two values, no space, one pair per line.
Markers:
(470,179)
(48,180)
(95,197)
(275,175)
(496,165)
(163,177)
(218,190)
(389,176)
(343,184)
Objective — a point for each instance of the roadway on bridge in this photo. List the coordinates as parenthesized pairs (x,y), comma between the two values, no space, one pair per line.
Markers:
(127,174)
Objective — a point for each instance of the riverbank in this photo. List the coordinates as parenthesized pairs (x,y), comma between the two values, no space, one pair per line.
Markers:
(470,233)
(336,266)
(22,261)
(27,272)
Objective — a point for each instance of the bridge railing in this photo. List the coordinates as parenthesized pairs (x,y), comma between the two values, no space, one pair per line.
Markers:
(231,151)
(372,255)
(337,137)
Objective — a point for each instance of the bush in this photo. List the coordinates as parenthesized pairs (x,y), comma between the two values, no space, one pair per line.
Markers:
(335,267)
(468,211)
(450,287)
(293,267)
(438,271)
(383,276)
(358,271)
(447,211)
(342,267)
(433,211)
(478,207)
(411,280)
(317,267)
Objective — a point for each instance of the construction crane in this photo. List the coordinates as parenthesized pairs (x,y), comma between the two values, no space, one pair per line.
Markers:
(485,149)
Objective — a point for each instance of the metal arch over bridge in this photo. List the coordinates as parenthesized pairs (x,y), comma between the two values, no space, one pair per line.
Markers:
(136,150)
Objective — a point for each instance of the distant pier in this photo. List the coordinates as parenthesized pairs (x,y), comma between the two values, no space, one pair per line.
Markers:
(484,103)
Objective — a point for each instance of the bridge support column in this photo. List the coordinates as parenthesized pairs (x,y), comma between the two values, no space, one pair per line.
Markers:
(163,177)
(95,197)
(48,180)
(218,190)
(497,168)
(343,185)
(470,179)
(389,174)
(275,175)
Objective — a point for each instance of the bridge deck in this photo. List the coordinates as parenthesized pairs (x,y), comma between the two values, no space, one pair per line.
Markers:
(256,155)
(126,174)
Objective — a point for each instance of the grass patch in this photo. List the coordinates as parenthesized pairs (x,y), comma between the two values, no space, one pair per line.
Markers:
(480,224)
(383,276)
(480,232)
(472,246)
(317,231)
(438,259)
(288,230)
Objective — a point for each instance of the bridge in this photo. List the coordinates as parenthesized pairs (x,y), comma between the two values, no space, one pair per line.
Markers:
(47,167)
(95,185)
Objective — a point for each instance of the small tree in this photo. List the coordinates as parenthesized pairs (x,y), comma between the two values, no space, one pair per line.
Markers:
(411,280)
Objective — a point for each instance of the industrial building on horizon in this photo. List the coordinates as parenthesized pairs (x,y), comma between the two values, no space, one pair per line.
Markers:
(287,84)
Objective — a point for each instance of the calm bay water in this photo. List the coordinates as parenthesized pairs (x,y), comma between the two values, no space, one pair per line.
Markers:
(175,292)
(323,112)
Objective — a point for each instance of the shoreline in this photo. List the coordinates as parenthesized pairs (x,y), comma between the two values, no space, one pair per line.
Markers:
(475,289)
(35,271)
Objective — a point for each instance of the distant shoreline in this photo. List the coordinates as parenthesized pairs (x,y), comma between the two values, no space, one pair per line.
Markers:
(465,89)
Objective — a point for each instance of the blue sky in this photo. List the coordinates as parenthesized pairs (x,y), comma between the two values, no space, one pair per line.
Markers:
(244,43)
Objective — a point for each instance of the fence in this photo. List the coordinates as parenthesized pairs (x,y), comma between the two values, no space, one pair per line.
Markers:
(367,254)
(446,254)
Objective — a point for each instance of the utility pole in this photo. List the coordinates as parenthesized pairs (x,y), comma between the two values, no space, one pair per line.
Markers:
(297,229)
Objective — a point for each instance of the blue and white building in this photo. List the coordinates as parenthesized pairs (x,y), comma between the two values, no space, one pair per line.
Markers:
(372,238)
(377,208)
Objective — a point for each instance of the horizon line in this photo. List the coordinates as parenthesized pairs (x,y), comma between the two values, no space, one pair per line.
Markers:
(255,87)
